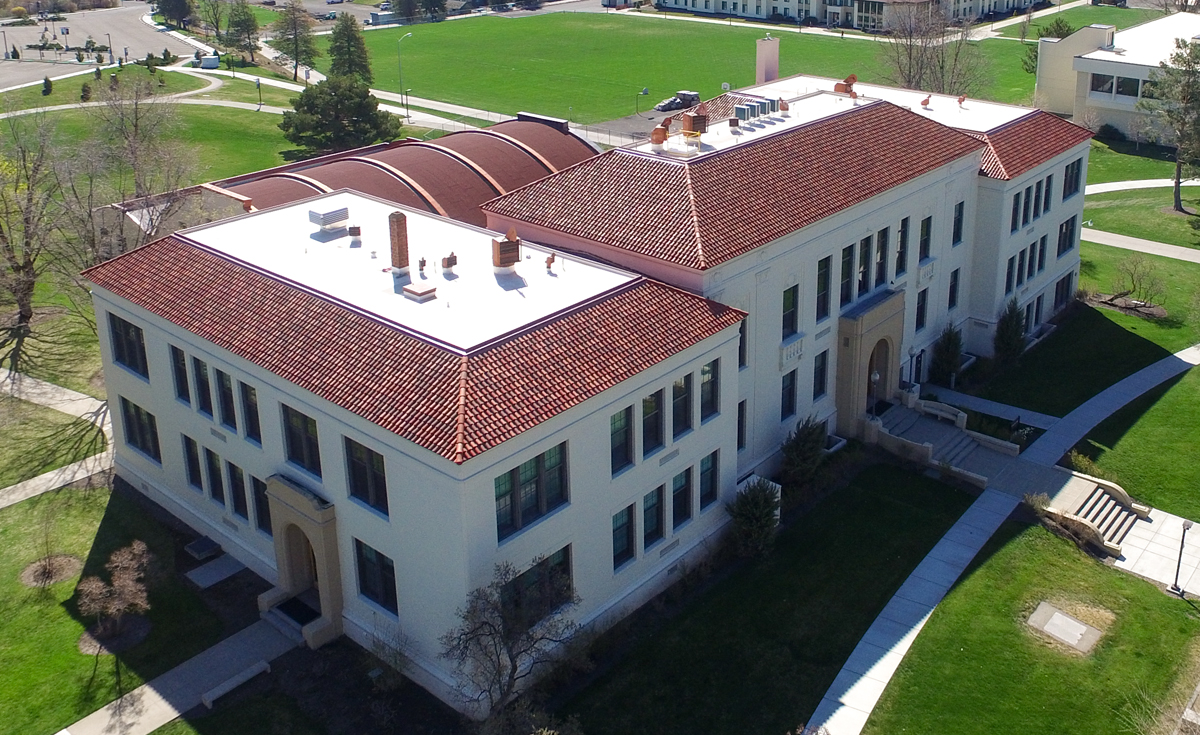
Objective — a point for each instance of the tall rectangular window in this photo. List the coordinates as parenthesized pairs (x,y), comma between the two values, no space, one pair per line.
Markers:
(622,535)
(652,422)
(820,375)
(376,576)
(902,249)
(1027,206)
(959,216)
(652,517)
(250,412)
(1071,178)
(300,438)
(823,275)
(741,427)
(262,505)
(1042,253)
(225,400)
(539,590)
(790,311)
(1010,275)
(710,389)
(1031,261)
(881,256)
(1015,221)
(1066,236)
(141,429)
(864,265)
(128,345)
(531,490)
(1037,200)
(681,406)
(681,498)
(179,369)
(237,489)
(742,343)
(620,433)
(204,399)
(1020,267)
(952,300)
(847,290)
(787,396)
(922,307)
(191,456)
(367,475)
(926,239)
(216,484)
(1046,194)
(710,480)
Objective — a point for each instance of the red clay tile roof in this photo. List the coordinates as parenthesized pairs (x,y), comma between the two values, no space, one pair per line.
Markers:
(1028,142)
(457,405)
(703,212)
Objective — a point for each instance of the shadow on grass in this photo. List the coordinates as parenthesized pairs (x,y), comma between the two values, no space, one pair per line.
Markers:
(1144,150)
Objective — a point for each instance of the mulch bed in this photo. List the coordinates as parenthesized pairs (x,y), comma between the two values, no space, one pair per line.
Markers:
(1127,306)
(50,570)
(134,629)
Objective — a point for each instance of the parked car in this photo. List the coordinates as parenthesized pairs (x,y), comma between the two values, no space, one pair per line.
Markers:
(385,6)
(334,2)
(268,2)
(331,15)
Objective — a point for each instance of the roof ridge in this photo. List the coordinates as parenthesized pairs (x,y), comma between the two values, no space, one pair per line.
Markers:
(695,216)
(460,428)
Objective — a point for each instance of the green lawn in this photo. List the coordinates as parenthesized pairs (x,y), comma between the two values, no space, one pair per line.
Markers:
(756,652)
(1095,348)
(1079,17)
(978,668)
(589,67)
(66,91)
(243,90)
(47,683)
(1123,161)
(35,439)
(259,715)
(1140,213)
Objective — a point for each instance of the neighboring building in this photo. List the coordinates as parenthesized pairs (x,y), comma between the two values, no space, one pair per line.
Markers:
(866,15)
(1099,73)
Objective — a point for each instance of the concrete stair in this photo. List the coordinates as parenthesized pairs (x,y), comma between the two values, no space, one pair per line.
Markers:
(1108,514)
(955,452)
(285,625)
(898,419)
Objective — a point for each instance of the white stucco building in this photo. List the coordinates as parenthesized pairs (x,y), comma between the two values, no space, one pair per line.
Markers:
(866,15)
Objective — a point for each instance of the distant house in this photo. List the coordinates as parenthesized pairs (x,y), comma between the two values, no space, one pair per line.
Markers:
(867,15)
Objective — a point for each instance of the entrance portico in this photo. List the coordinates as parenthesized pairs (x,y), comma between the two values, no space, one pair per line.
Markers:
(869,338)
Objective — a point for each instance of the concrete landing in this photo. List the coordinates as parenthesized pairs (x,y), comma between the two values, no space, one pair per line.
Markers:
(217,570)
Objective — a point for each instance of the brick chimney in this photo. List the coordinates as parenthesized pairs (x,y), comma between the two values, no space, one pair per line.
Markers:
(398,225)
(506,253)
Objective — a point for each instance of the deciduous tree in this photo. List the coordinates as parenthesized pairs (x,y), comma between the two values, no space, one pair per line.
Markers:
(294,36)
(338,114)
(928,53)
(176,11)
(348,55)
(127,593)
(435,8)
(212,12)
(1172,97)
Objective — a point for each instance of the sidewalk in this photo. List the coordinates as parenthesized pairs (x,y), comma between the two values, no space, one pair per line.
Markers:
(1149,247)
(1135,184)
(982,405)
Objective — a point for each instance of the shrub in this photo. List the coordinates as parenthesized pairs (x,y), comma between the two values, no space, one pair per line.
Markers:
(1009,341)
(15,53)
(96,74)
(99,58)
(1080,462)
(1108,132)
(85,93)
(754,512)
(19,12)
(803,451)
(947,356)
(47,87)
(79,55)
(1038,502)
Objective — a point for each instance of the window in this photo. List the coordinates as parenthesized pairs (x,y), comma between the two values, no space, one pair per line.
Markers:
(952,300)
(539,590)
(922,304)
(1042,254)
(262,506)
(1015,221)
(1020,267)
(141,429)
(1037,200)
(652,517)
(710,479)
(539,485)
(1010,275)
(820,375)
(191,456)
(958,222)
(1071,178)
(847,294)
(1037,310)
(300,436)
(1062,292)
(367,476)
(1027,207)
(225,400)
(787,396)
(710,389)
(179,369)
(741,427)
(790,317)
(742,343)
(622,534)
(864,265)
(652,422)
(681,406)
(129,345)
(376,576)
(881,247)
(621,439)
(216,485)
(823,267)
(902,249)
(237,489)
(926,239)
(203,390)
(250,412)
(1102,83)
(1032,261)
(681,498)
(1066,236)
(1046,195)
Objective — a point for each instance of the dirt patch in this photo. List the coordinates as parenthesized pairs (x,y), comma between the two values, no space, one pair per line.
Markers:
(51,570)
(1094,615)
(1127,306)
(134,630)
(1172,211)
(96,382)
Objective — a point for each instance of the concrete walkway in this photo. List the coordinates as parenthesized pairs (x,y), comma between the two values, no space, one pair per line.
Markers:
(165,698)
(994,408)
(1135,184)
(1149,247)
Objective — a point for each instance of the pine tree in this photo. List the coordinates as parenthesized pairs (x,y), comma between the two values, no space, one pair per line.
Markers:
(1009,341)
(338,114)
(348,51)
(294,36)
(243,28)
(1173,98)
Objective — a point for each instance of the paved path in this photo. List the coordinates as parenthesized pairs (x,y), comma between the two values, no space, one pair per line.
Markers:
(1125,242)
(1151,550)
(1135,184)
(994,408)
(165,698)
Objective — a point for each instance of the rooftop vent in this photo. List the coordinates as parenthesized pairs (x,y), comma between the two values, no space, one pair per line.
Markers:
(355,236)
(695,122)
(329,221)
(925,102)
(506,253)
(784,108)
(846,86)
(398,227)
(742,112)
(420,292)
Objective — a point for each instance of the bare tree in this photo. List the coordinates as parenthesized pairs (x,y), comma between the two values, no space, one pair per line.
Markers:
(130,569)
(212,12)
(1139,130)
(1140,280)
(928,53)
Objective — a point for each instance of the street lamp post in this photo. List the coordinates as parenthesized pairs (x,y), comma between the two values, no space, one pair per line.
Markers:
(637,100)
(874,381)
(400,69)
(258,86)
(1175,587)
(112,59)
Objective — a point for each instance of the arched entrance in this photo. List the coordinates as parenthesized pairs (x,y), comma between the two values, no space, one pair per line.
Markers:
(302,567)
(880,363)
(869,340)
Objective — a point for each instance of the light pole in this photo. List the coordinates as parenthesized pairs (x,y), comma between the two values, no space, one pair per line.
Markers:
(111,56)
(258,86)
(912,354)
(1175,587)
(400,69)
(6,52)
(637,100)
(874,381)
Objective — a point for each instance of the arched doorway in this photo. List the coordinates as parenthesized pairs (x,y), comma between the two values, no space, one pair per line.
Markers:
(303,579)
(880,362)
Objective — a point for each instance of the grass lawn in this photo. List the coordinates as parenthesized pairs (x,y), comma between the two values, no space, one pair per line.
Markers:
(255,716)
(756,652)
(48,684)
(1097,347)
(1122,18)
(243,90)
(978,668)
(1140,213)
(35,439)
(588,66)
(1112,160)
(66,91)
